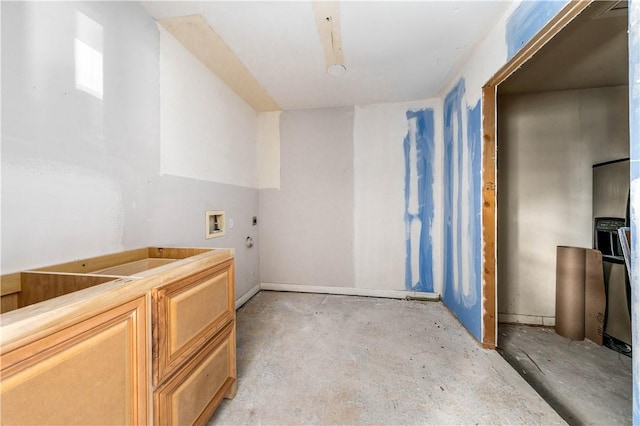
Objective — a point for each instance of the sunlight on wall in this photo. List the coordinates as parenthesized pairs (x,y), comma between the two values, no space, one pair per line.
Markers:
(88,56)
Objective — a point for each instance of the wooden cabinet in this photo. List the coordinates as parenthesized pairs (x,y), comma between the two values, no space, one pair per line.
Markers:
(93,372)
(193,393)
(194,345)
(123,331)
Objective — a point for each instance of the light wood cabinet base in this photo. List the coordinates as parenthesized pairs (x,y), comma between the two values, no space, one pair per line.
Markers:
(75,347)
(233,390)
(93,372)
(193,393)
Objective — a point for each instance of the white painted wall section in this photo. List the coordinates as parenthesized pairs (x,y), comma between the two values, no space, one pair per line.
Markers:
(207,131)
(379,197)
(73,161)
(268,141)
(53,198)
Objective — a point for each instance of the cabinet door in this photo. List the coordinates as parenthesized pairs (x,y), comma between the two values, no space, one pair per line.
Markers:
(193,393)
(187,313)
(93,372)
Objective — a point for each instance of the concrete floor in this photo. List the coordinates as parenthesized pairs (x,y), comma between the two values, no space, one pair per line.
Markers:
(323,359)
(584,382)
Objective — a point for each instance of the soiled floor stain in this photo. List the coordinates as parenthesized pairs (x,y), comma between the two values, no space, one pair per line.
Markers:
(325,359)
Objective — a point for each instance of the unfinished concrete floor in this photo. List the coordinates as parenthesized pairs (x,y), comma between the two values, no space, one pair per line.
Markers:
(324,359)
(584,382)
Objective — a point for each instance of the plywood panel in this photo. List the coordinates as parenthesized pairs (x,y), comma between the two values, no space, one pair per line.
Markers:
(105,262)
(9,284)
(96,263)
(38,287)
(175,252)
(133,268)
(8,303)
(188,312)
(191,396)
(93,372)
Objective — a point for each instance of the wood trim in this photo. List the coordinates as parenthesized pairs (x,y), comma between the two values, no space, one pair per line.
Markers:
(489,156)
(489,159)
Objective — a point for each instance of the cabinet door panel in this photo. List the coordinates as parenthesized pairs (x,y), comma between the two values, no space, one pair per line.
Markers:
(193,393)
(189,312)
(93,372)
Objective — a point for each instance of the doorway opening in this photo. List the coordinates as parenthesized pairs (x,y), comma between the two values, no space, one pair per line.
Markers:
(556,109)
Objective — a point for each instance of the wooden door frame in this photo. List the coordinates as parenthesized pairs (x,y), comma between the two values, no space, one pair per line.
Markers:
(489,160)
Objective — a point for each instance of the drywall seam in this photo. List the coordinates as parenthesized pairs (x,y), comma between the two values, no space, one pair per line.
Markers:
(268,150)
(204,43)
(327,16)
(351,291)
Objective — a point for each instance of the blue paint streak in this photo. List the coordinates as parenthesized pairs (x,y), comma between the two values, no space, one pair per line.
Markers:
(474,140)
(634,133)
(425,156)
(527,20)
(470,314)
(407,216)
(451,105)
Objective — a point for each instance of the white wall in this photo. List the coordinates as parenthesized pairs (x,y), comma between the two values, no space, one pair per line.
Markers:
(81,176)
(207,131)
(380,238)
(547,145)
(70,160)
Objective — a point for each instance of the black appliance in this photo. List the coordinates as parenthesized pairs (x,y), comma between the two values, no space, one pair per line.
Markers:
(611,212)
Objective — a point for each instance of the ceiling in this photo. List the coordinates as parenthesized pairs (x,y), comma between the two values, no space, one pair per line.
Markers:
(393,50)
(590,52)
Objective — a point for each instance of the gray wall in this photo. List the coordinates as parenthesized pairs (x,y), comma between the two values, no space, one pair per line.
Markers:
(177,218)
(547,144)
(306,227)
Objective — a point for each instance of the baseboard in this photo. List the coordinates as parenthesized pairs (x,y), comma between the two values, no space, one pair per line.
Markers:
(352,291)
(248,295)
(527,319)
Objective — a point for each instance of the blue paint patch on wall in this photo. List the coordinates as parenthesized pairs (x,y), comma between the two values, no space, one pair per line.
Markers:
(462,228)
(634,133)
(528,18)
(474,141)
(452,111)
(419,205)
